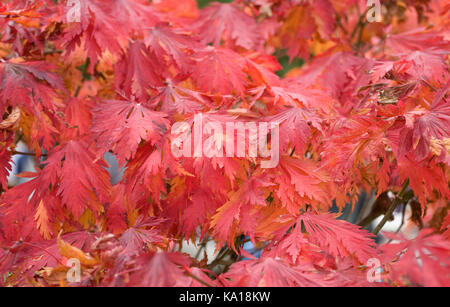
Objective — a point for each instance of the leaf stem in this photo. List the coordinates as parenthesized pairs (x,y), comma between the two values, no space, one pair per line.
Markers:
(15,152)
(23,153)
(397,201)
(199,279)
(360,27)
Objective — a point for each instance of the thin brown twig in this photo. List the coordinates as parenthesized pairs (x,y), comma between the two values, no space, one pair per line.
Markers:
(199,279)
(401,224)
(360,26)
(15,152)
(397,201)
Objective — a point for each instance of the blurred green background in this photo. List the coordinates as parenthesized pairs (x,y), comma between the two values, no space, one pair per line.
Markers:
(203,3)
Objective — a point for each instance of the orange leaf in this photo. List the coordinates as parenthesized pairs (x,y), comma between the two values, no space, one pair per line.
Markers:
(43,221)
(69,251)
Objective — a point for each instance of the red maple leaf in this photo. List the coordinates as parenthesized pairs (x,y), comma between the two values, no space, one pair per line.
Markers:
(434,125)
(295,127)
(220,71)
(138,72)
(339,238)
(121,125)
(135,238)
(99,19)
(272,272)
(172,46)
(30,85)
(160,269)
(226,22)
(423,261)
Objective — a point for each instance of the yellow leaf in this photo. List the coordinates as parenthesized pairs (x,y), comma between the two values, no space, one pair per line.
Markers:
(69,251)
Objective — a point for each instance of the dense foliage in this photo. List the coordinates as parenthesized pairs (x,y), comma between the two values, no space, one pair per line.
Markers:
(368,111)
